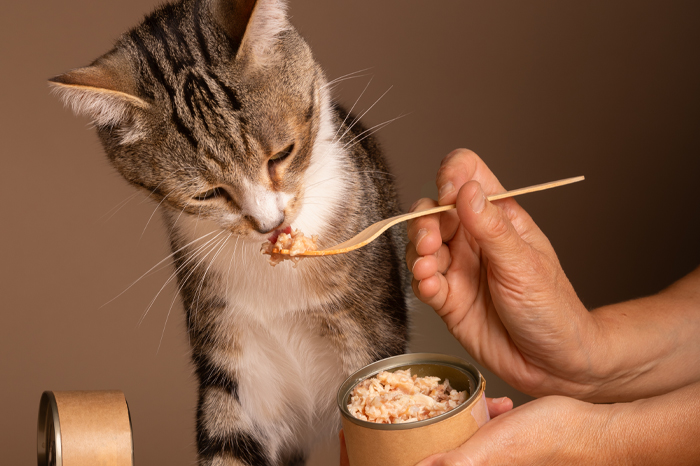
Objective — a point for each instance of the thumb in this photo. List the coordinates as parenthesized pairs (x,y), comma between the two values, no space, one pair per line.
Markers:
(490,227)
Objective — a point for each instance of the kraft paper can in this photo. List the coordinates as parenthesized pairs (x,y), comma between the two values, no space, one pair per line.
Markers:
(84,428)
(405,444)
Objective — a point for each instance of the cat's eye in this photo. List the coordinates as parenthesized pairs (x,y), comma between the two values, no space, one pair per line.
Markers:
(208,195)
(279,156)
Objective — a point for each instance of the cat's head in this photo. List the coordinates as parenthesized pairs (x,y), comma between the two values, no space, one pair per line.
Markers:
(213,106)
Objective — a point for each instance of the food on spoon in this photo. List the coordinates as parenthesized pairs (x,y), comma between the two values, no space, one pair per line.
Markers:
(398,397)
(294,241)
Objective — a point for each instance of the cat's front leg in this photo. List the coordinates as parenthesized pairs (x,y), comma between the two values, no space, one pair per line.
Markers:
(224,436)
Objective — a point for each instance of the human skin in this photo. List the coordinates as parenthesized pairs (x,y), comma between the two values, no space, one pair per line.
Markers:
(494,278)
(557,430)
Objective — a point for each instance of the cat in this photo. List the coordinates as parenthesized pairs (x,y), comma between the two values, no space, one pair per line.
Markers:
(218,110)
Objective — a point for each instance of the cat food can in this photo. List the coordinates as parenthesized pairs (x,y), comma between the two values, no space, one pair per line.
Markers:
(84,428)
(406,444)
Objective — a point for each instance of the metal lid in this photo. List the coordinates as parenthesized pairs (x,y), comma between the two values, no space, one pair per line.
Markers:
(462,376)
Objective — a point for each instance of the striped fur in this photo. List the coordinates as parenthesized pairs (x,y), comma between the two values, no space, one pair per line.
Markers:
(218,109)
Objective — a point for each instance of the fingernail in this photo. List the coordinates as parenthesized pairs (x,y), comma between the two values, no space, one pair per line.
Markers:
(422,233)
(445,189)
(414,264)
(498,401)
(415,204)
(478,201)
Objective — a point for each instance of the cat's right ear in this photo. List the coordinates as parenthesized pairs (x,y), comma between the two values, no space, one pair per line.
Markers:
(104,92)
(255,25)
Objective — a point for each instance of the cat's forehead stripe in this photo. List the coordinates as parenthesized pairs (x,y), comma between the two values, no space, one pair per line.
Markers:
(158,74)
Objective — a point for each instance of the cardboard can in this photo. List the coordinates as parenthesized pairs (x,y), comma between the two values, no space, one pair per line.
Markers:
(84,428)
(406,444)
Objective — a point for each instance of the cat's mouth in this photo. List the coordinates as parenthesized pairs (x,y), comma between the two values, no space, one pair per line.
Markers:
(277,233)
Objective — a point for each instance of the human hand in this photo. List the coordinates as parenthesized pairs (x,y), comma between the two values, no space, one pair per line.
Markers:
(552,430)
(558,430)
(496,407)
(494,278)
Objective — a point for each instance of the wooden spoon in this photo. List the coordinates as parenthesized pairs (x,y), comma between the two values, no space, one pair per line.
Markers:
(373,231)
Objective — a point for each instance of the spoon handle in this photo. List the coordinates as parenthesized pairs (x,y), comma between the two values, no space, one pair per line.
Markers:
(537,187)
(492,197)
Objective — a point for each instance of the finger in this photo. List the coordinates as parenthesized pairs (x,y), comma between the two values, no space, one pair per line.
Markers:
(444,259)
(421,267)
(433,291)
(459,167)
(344,461)
(424,232)
(490,227)
(498,406)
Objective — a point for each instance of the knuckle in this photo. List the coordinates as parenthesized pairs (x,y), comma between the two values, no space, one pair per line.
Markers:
(496,227)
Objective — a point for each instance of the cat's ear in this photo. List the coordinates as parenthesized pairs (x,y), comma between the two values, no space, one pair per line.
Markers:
(254,24)
(103,91)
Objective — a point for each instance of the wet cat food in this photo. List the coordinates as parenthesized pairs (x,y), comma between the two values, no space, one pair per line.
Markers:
(398,397)
(294,241)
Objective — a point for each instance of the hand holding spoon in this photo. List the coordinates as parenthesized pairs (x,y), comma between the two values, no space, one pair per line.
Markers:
(372,232)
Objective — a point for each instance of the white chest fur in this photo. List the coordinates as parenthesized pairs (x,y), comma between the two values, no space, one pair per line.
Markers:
(291,374)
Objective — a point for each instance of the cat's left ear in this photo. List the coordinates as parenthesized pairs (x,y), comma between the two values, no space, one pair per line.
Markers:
(104,91)
(254,24)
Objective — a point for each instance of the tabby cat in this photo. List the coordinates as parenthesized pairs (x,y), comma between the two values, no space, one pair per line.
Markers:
(217,109)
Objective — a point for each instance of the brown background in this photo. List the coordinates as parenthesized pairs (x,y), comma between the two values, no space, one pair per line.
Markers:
(541,89)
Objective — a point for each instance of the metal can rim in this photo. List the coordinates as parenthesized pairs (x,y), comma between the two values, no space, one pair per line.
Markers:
(403,360)
(49,423)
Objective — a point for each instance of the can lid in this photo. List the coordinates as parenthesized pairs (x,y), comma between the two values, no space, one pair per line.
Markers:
(462,375)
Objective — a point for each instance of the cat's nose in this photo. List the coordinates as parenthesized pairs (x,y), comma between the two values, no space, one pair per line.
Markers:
(267,225)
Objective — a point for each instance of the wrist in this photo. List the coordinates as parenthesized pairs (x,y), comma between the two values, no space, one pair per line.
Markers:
(597,361)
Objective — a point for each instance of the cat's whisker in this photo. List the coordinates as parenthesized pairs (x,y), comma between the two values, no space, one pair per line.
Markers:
(154,212)
(179,289)
(152,192)
(371,131)
(180,215)
(190,257)
(196,224)
(222,243)
(335,136)
(154,267)
(174,274)
(230,262)
(354,74)
(365,112)
(350,178)
(117,208)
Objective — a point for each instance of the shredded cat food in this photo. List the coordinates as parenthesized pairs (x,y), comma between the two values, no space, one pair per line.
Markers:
(294,241)
(397,397)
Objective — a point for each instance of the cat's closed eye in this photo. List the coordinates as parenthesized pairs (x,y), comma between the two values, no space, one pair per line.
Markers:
(281,155)
(209,194)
